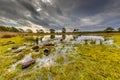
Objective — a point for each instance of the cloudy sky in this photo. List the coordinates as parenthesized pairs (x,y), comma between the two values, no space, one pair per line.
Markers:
(82,14)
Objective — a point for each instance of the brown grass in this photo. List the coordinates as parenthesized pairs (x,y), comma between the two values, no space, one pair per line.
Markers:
(7,34)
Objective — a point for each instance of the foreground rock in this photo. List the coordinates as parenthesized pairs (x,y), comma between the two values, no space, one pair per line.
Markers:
(28,63)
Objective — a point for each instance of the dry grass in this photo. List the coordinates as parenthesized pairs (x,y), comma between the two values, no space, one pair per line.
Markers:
(2,34)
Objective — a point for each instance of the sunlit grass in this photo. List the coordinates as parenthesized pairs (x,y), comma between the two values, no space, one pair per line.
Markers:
(18,41)
(117,39)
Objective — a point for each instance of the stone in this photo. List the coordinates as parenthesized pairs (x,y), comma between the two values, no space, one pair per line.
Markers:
(8,43)
(61,40)
(18,51)
(15,47)
(35,47)
(28,63)
(49,45)
(46,51)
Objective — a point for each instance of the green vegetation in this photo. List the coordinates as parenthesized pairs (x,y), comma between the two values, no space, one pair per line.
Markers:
(96,62)
(29,31)
(118,29)
(109,29)
(18,41)
(10,29)
(6,57)
(40,31)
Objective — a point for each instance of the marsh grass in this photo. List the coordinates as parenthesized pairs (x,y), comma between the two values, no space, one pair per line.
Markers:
(29,39)
(96,62)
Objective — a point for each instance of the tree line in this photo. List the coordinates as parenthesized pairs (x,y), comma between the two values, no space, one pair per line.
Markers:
(13,29)
(10,29)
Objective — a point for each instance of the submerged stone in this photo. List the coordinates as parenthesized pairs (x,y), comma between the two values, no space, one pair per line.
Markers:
(15,47)
(18,51)
(35,47)
(46,51)
(49,44)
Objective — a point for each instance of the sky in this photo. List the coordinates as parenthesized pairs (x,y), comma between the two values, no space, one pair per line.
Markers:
(85,15)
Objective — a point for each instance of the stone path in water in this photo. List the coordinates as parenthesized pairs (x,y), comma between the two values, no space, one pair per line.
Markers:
(46,61)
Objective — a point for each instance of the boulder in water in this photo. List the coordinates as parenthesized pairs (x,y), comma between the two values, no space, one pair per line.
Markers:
(28,63)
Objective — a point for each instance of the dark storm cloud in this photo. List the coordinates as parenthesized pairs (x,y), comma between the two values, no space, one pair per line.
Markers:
(82,6)
(28,6)
(83,14)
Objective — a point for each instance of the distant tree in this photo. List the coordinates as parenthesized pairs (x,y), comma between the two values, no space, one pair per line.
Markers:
(119,29)
(13,29)
(75,30)
(21,30)
(52,36)
(63,30)
(29,31)
(109,29)
(10,29)
(40,31)
(52,31)
(75,36)
(3,28)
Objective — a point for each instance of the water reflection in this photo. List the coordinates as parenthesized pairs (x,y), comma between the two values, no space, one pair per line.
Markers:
(52,36)
(63,37)
(74,39)
(41,38)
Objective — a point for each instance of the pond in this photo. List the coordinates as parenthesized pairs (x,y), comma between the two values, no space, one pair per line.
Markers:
(74,39)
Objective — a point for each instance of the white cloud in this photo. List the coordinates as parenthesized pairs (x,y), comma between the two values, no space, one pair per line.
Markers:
(33,27)
(89,21)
